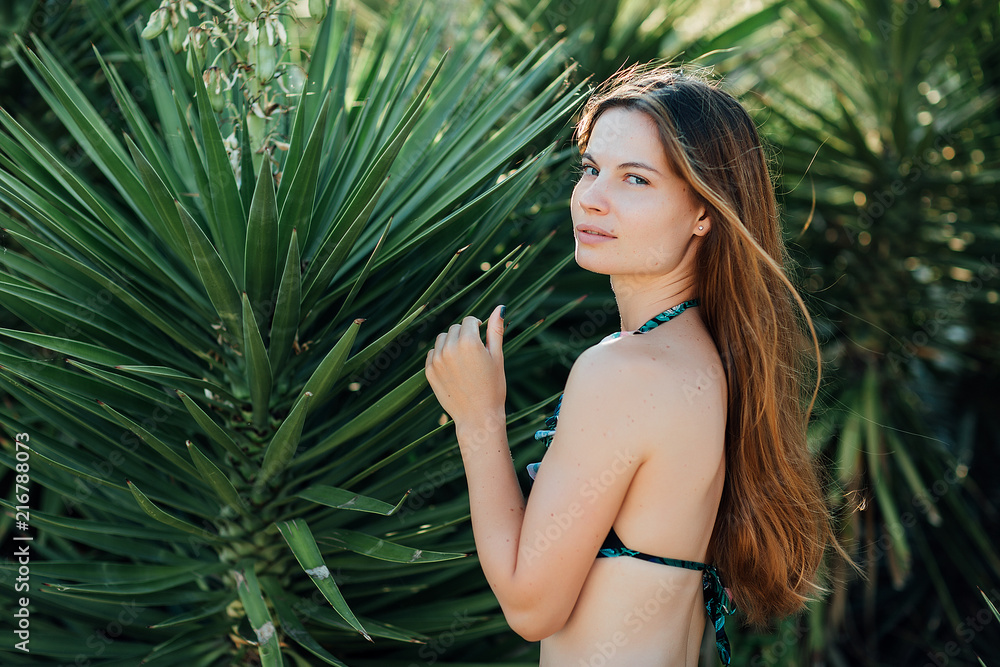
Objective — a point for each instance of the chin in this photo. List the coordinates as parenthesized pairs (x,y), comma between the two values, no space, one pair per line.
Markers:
(586,261)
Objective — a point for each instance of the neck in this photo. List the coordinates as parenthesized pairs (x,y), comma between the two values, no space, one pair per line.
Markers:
(641,298)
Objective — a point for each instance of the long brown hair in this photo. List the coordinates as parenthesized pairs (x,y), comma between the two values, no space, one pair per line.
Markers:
(773,526)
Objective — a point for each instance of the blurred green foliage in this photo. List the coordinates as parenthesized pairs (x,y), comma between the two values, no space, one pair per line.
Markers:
(881,119)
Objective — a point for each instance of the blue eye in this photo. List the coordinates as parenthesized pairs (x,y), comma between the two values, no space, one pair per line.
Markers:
(636,180)
(588,170)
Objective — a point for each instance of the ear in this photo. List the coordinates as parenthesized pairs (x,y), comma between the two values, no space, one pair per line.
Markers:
(704,223)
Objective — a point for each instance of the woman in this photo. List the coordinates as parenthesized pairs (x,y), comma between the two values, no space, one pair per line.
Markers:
(680,440)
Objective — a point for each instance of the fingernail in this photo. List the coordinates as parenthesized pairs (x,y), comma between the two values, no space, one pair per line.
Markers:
(503,311)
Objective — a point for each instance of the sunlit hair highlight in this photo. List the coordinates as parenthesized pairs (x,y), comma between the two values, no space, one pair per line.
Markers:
(773,526)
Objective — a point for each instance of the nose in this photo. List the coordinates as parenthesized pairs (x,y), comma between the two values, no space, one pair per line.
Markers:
(591,196)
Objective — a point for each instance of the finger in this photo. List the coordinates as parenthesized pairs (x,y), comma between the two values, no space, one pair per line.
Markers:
(470,327)
(494,332)
(445,342)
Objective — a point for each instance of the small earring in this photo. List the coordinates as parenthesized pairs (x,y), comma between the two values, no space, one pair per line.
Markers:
(701,227)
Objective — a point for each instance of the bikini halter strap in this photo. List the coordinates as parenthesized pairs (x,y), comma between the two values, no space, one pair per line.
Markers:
(662,318)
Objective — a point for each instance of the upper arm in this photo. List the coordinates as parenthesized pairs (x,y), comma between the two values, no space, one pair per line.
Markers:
(579,489)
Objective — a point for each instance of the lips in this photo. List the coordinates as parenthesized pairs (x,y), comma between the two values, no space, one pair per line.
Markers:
(589,231)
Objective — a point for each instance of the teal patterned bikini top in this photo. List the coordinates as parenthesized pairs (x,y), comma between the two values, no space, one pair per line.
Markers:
(718,603)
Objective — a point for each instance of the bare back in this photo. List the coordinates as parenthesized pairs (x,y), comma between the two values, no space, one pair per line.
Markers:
(632,612)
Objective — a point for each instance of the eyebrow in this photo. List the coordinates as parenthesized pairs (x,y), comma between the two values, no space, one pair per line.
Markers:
(625,165)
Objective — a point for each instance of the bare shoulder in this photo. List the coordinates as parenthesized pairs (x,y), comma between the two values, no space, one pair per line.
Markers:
(644,386)
(609,366)
(637,366)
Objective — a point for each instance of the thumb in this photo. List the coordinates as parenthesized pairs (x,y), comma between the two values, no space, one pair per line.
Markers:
(494,332)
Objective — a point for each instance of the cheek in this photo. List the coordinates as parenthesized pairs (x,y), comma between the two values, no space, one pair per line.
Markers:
(574,205)
(657,244)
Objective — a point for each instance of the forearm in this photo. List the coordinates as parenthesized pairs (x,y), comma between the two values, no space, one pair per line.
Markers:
(495,499)
(468,380)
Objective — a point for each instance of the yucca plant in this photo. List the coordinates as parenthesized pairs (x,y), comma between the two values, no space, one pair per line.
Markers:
(991,608)
(72,25)
(859,100)
(610,35)
(887,156)
(232,456)
(72,29)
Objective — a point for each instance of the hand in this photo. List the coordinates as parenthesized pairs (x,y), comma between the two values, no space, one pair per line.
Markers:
(468,377)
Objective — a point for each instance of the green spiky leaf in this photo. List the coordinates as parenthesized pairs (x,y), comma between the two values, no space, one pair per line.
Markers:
(302,543)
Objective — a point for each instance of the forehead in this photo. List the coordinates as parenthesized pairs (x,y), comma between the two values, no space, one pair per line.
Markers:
(626,135)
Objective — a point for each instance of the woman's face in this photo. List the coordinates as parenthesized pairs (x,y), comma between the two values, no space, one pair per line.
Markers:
(631,214)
